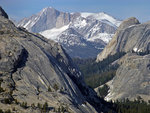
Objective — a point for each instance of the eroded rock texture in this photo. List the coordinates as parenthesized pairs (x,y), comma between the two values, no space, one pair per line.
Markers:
(36,70)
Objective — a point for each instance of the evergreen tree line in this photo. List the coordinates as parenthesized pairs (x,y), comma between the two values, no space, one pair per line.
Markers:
(96,74)
(103,91)
(127,106)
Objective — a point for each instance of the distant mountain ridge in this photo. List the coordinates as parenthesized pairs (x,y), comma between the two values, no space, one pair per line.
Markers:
(95,28)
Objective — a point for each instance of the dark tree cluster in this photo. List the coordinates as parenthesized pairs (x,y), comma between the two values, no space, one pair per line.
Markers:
(103,91)
(7,111)
(99,79)
(127,106)
(96,74)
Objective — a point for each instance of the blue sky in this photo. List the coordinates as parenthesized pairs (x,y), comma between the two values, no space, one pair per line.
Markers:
(120,9)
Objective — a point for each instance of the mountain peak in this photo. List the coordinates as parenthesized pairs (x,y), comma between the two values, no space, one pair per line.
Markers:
(3,13)
(47,9)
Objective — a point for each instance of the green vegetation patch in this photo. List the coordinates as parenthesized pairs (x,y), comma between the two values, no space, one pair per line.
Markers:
(96,74)
(127,106)
(103,91)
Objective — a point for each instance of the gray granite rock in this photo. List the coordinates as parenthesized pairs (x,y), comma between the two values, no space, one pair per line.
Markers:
(132,79)
(37,70)
(133,37)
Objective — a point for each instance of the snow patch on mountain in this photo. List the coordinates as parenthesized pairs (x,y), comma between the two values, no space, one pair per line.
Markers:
(53,33)
(103,36)
(80,22)
(86,14)
(101,17)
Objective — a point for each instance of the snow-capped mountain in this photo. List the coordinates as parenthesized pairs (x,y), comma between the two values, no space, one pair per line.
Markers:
(102,17)
(93,29)
(81,34)
(47,18)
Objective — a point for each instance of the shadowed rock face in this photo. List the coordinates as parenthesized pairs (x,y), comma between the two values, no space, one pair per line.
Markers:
(3,13)
(31,64)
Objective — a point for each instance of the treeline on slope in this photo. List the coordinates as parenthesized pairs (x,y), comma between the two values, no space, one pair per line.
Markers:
(127,106)
(96,80)
(103,91)
(96,74)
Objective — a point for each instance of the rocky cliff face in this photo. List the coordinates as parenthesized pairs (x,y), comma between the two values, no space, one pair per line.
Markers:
(132,76)
(48,18)
(36,70)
